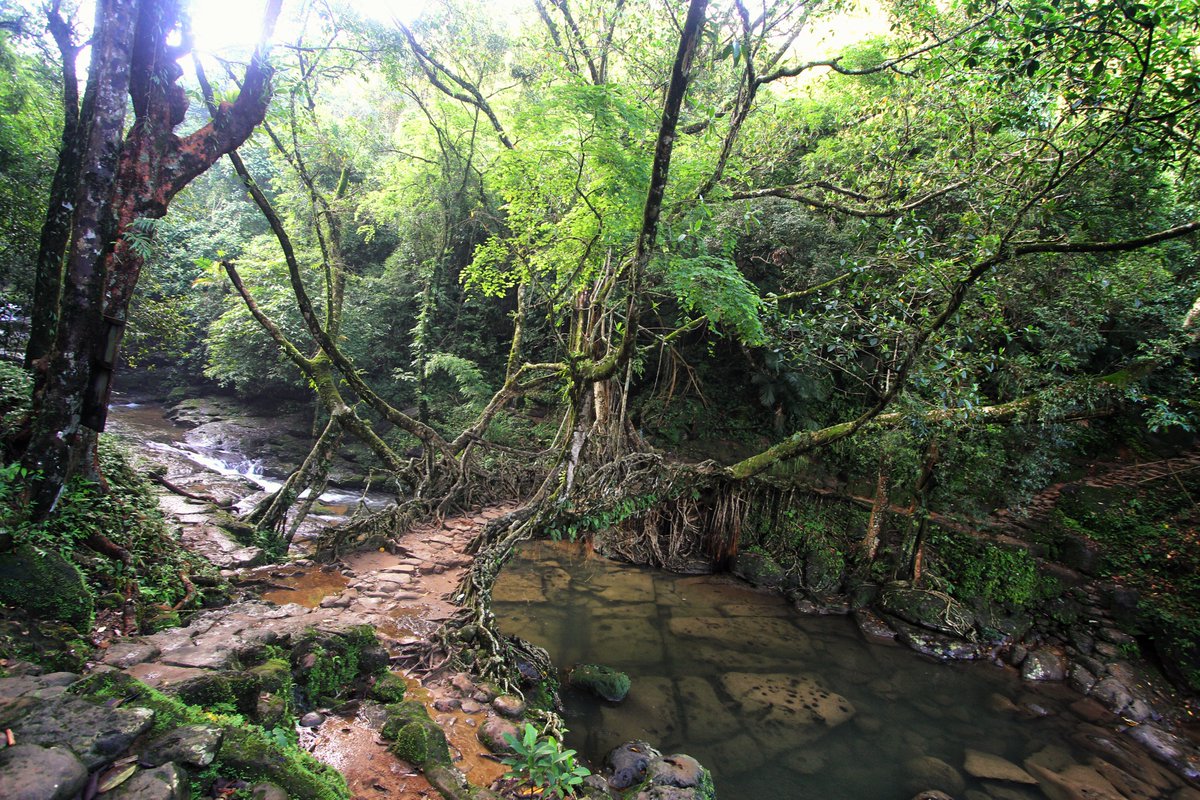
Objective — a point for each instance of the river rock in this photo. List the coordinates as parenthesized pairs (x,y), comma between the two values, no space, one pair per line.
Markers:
(934,611)
(1113,694)
(604,682)
(759,569)
(680,771)
(1178,754)
(806,762)
(1130,787)
(1044,665)
(1081,679)
(1075,782)
(32,772)
(932,794)
(313,719)
(937,645)
(993,767)
(508,706)
(492,732)
(650,712)
(167,782)
(192,745)
(628,763)
(926,773)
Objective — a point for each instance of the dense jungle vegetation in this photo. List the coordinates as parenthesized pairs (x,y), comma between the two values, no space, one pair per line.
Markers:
(655,267)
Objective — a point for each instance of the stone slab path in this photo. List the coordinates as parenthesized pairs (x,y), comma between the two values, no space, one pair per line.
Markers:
(405,593)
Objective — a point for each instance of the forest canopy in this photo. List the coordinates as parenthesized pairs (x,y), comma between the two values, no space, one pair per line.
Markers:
(668,222)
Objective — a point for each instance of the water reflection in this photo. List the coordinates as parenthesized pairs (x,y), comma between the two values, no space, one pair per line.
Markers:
(779,705)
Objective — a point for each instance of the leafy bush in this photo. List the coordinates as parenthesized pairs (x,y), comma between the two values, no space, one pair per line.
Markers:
(540,762)
(981,571)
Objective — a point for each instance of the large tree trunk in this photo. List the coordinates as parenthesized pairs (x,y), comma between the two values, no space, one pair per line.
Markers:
(56,230)
(58,442)
(122,181)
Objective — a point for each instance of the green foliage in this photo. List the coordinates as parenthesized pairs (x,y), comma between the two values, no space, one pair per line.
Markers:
(415,737)
(16,384)
(541,762)
(981,572)
(336,662)
(716,288)
(598,519)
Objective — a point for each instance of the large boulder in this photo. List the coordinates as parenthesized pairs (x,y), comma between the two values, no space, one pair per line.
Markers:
(676,777)
(932,610)
(46,585)
(759,569)
(926,772)
(415,737)
(31,772)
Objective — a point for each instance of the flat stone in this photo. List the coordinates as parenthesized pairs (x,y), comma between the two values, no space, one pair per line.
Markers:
(787,700)
(199,657)
(470,706)
(1075,782)
(166,782)
(193,745)
(125,653)
(993,767)
(926,773)
(159,676)
(31,772)
(1178,754)
(95,733)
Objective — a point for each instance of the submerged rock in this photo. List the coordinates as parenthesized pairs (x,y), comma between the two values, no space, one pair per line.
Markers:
(926,773)
(790,701)
(628,763)
(604,682)
(993,767)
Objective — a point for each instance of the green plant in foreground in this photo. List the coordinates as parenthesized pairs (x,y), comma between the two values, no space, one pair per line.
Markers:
(541,762)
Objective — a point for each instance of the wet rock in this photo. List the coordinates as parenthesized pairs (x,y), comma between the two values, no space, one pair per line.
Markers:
(1112,693)
(759,569)
(1075,782)
(1089,710)
(166,782)
(485,693)
(1044,665)
(604,682)
(445,704)
(492,732)
(470,706)
(707,717)
(1081,680)
(932,794)
(191,745)
(1016,654)
(993,767)
(31,772)
(508,706)
(313,719)
(389,688)
(628,763)
(936,612)
(677,770)
(926,773)
(873,627)
(95,733)
(938,645)
(790,701)
(1177,753)
(463,683)
(1130,787)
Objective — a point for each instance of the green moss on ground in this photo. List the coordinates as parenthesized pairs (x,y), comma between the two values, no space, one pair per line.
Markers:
(247,751)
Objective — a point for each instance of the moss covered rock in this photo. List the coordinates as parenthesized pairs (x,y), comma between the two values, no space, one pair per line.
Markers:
(273,674)
(46,585)
(388,688)
(759,569)
(604,682)
(415,737)
(247,754)
(221,691)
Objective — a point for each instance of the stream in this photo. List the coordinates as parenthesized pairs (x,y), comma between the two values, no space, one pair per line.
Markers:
(780,705)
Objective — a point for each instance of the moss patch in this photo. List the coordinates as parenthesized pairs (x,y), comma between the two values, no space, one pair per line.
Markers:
(415,737)
(46,585)
(604,682)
